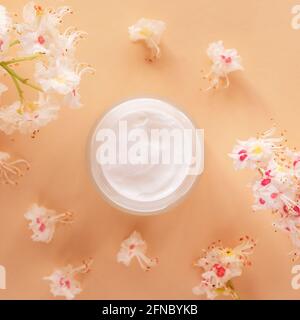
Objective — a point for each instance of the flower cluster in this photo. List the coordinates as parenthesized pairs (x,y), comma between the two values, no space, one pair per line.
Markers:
(63,281)
(57,73)
(43,222)
(150,32)
(224,61)
(220,265)
(135,246)
(277,186)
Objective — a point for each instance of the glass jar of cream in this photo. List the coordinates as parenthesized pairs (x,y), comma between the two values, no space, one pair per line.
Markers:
(145,155)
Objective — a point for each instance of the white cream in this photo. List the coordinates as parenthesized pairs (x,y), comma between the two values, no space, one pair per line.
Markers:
(143,187)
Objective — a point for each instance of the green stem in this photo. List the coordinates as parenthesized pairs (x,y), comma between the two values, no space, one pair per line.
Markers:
(20,92)
(15,77)
(22,80)
(14,43)
(21,59)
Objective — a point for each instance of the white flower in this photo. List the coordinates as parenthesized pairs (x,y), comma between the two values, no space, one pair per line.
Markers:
(72,99)
(65,43)
(43,222)
(63,282)
(149,31)
(135,247)
(5,26)
(220,266)
(39,31)
(275,188)
(224,62)
(10,171)
(61,77)
(254,151)
(29,117)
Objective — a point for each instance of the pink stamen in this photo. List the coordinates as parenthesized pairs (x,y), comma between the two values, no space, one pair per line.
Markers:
(268,173)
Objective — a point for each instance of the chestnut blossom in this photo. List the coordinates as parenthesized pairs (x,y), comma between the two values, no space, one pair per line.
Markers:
(62,77)
(28,117)
(254,151)
(224,61)
(39,31)
(57,75)
(220,265)
(150,32)
(135,247)
(63,281)
(10,170)
(278,185)
(275,188)
(43,222)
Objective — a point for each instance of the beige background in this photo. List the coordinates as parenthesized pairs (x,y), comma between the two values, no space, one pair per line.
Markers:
(219,207)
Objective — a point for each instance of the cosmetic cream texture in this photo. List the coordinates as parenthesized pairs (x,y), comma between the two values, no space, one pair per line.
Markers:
(142,178)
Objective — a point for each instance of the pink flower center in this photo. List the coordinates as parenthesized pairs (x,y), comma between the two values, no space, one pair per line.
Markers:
(219,270)
(1,44)
(41,40)
(274,195)
(243,155)
(226,59)
(42,227)
(297,210)
(296,162)
(265,182)
(131,247)
(64,283)
(262,201)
